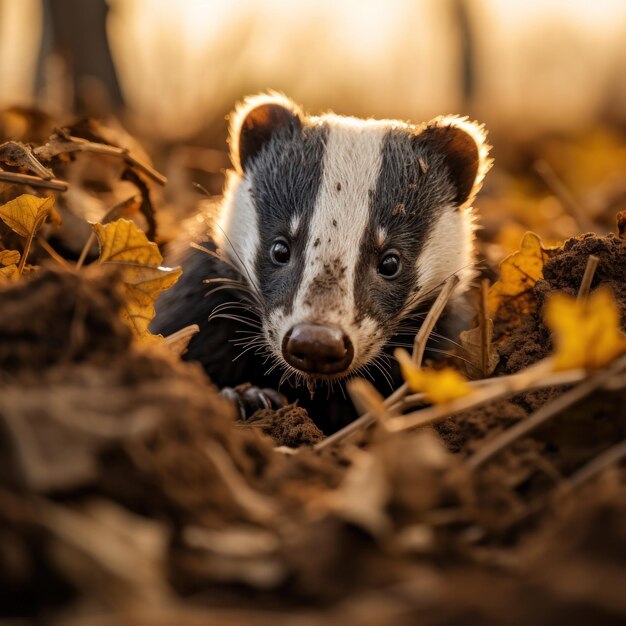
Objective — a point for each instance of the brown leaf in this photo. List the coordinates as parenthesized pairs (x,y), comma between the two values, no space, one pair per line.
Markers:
(124,245)
(472,343)
(178,342)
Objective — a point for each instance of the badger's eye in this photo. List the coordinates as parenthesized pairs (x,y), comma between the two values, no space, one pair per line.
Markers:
(389,266)
(280,252)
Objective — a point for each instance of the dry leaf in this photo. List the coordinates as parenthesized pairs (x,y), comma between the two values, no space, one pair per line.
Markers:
(9,257)
(586,333)
(362,497)
(26,213)
(519,271)
(178,342)
(125,245)
(19,154)
(471,340)
(439,386)
(8,265)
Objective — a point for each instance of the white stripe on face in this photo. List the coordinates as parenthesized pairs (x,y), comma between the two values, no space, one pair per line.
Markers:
(449,249)
(238,231)
(351,167)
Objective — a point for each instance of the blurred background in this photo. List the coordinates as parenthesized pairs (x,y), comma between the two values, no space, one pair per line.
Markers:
(176,67)
(547,77)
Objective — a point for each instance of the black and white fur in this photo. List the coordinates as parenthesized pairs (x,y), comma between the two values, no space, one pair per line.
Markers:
(341,192)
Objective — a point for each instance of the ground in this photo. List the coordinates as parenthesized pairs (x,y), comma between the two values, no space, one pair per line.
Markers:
(129,493)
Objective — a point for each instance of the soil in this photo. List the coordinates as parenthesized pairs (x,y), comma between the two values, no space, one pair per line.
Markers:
(130,494)
(529,342)
(290,426)
(524,344)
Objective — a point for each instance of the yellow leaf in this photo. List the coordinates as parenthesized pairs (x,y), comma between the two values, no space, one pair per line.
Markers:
(25,214)
(8,265)
(518,272)
(8,273)
(439,386)
(124,245)
(586,333)
(9,257)
(122,241)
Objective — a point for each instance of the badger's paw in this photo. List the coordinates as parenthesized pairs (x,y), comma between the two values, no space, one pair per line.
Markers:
(248,399)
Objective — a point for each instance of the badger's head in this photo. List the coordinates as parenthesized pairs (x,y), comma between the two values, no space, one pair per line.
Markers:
(344,226)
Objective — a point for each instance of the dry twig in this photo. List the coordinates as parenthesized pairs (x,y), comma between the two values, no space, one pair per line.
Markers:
(557,379)
(62,144)
(544,414)
(34,181)
(609,457)
(499,389)
(590,270)
(53,253)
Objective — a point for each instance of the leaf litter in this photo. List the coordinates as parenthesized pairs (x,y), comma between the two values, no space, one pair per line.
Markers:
(130,494)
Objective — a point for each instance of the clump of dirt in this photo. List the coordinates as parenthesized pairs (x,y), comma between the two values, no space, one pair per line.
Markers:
(460,433)
(86,410)
(53,316)
(529,342)
(290,426)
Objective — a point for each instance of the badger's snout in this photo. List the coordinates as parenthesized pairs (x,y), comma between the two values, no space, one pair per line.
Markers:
(318,349)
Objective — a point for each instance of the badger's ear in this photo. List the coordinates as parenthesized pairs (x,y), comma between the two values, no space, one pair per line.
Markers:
(465,151)
(254,122)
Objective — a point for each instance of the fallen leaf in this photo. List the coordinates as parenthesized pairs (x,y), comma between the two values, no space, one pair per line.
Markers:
(9,257)
(123,244)
(178,342)
(26,213)
(586,333)
(519,272)
(439,386)
(8,265)
(471,340)
(362,496)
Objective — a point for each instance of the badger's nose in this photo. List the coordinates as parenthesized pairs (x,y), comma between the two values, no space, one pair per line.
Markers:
(318,349)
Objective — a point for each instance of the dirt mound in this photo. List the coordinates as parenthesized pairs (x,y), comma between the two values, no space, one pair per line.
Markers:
(522,346)
(127,489)
(55,317)
(290,426)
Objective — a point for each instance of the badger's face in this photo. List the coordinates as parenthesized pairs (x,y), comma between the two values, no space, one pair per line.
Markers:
(344,226)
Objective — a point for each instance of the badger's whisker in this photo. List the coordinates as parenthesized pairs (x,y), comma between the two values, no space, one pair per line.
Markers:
(243,352)
(243,265)
(245,294)
(216,255)
(386,375)
(235,318)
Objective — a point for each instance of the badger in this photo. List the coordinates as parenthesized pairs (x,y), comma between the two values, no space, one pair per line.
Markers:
(334,236)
